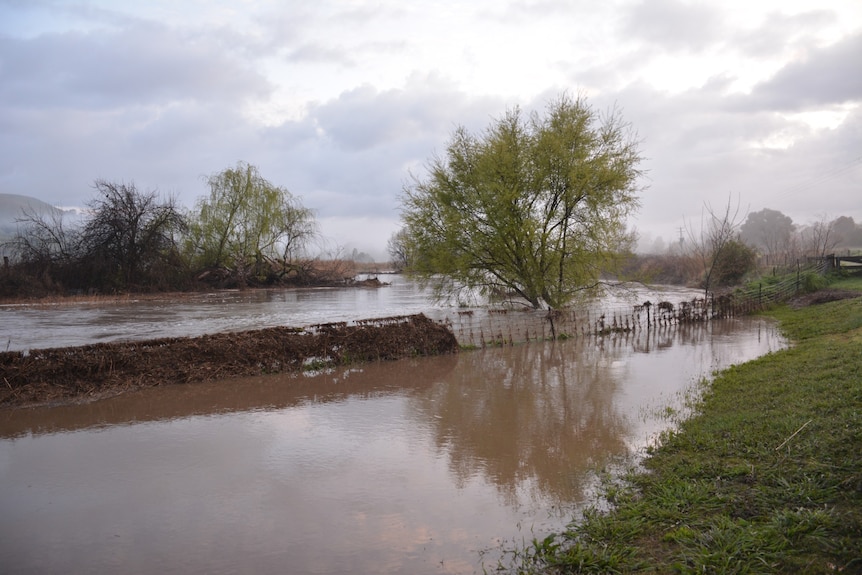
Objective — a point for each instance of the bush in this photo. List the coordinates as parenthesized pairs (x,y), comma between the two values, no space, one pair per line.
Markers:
(812,281)
(733,263)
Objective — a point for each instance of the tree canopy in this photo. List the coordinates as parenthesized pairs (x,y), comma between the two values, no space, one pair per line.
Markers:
(247,219)
(398,248)
(768,230)
(129,233)
(535,206)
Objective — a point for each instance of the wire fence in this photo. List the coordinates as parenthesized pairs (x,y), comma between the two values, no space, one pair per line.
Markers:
(772,292)
(480,327)
(495,327)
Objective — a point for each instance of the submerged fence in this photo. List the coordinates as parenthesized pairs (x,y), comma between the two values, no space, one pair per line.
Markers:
(480,327)
(494,327)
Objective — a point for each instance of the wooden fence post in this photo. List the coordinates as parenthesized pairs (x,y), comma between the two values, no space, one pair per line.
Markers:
(797,276)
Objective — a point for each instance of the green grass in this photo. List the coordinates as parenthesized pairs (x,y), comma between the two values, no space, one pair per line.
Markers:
(766,477)
(848,280)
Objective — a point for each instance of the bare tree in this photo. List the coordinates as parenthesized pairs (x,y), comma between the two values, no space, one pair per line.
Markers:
(715,241)
(819,239)
(128,233)
(42,239)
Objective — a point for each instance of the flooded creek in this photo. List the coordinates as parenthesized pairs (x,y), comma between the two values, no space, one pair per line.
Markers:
(426,465)
(65,324)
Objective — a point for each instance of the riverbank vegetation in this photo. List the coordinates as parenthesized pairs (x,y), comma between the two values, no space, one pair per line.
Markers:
(765,477)
(725,251)
(247,232)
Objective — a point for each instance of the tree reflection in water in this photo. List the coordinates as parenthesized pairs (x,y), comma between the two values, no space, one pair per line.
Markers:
(529,418)
(536,420)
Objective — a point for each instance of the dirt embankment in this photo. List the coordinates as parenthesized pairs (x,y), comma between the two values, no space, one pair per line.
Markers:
(94,371)
(821,296)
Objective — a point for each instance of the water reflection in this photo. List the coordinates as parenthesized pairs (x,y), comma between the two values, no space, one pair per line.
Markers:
(529,419)
(411,466)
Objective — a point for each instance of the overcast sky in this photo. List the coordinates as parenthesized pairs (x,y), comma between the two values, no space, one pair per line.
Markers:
(339,100)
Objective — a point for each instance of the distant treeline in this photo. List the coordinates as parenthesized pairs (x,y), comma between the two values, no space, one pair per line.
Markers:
(777,238)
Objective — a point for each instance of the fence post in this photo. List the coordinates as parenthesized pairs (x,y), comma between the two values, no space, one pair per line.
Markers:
(797,276)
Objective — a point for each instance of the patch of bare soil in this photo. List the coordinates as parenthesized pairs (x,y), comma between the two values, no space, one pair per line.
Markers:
(822,296)
(85,373)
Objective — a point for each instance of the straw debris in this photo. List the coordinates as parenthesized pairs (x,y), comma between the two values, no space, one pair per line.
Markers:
(100,370)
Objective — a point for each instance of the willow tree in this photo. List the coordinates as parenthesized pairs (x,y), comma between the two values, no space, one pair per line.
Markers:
(535,206)
(247,220)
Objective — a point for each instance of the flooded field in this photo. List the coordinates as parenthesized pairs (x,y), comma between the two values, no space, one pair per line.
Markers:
(421,466)
(24,327)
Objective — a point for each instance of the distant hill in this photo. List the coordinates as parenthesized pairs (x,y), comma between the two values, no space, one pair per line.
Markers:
(12,206)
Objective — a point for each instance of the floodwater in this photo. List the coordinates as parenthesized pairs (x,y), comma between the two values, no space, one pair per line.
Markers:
(24,327)
(421,466)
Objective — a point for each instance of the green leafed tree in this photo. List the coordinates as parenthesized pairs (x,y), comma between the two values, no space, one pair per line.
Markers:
(246,221)
(398,247)
(733,262)
(535,206)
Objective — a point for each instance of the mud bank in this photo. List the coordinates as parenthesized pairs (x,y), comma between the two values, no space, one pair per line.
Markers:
(85,373)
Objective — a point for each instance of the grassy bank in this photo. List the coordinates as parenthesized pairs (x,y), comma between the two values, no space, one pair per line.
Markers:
(765,478)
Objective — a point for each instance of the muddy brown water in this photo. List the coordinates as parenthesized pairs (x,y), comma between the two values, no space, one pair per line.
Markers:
(431,465)
(24,327)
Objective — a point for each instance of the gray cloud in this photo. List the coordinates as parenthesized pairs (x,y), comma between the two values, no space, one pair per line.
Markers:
(163,104)
(144,65)
(351,155)
(517,11)
(779,31)
(671,24)
(365,118)
(700,150)
(826,76)
(320,54)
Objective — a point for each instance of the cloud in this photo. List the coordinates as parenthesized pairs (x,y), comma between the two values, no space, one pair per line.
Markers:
(673,25)
(339,104)
(779,32)
(351,155)
(823,77)
(365,117)
(700,150)
(139,66)
(317,54)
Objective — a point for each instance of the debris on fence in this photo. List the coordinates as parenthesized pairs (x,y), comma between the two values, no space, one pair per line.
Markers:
(480,328)
(45,375)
